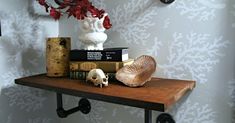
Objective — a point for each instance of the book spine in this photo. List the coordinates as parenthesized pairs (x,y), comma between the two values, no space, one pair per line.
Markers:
(87,66)
(85,55)
(80,75)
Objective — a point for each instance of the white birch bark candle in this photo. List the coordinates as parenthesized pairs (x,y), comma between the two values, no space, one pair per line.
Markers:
(57,56)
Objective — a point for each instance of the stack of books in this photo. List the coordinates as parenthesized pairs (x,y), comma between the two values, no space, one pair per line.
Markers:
(110,60)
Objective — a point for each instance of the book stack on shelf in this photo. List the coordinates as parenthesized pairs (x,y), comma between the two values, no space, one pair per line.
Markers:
(110,60)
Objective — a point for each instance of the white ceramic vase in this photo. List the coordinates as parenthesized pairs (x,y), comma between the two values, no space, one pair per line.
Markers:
(93,35)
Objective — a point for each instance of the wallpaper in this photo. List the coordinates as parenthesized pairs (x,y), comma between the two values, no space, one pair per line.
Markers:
(191,40)
(22,54)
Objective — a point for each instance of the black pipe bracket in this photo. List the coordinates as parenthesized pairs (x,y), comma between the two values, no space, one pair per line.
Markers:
(167,1)
(83,105)
(165,118)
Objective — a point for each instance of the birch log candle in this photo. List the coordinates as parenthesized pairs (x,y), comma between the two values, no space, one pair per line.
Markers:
(57,56)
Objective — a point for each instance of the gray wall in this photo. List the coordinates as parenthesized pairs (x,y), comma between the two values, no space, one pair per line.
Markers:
(22,54)
(190,39)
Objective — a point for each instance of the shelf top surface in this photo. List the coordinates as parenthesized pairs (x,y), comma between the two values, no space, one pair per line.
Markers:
(158,94)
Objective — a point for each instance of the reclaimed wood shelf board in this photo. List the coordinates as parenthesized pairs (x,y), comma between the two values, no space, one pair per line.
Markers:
(158,94)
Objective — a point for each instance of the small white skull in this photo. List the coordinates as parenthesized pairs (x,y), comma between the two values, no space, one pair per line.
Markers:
(98,77)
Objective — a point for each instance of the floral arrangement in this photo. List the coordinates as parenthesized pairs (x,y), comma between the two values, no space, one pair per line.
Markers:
(79,9)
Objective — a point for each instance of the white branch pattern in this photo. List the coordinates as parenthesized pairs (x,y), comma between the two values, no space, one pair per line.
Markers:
(23,34)
(133,24)
(155,47)
(23,31)
(191,55)
(26,98)
(190,112)
(199,50)
(196,56)
(202,10)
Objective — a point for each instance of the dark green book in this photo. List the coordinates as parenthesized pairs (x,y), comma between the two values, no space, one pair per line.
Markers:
(81,75)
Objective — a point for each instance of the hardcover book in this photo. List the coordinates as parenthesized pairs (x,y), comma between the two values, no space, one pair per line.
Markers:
(81,75)
(108,54)
(106,66)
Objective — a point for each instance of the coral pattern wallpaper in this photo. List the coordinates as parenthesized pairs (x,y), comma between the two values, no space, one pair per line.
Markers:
(190,39)
(22,54)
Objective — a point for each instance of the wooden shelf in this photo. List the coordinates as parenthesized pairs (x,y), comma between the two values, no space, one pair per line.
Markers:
(158,94)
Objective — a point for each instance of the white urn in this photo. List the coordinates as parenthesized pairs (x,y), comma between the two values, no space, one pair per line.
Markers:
(92,35)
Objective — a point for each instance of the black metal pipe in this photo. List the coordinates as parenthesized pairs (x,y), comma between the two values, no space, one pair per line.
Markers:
(83,106)
(167,1)
(165,118)
(147,116)
(0,29)
(59,100)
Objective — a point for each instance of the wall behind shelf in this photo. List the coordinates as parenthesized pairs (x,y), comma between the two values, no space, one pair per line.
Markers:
(22,54)
(189,39)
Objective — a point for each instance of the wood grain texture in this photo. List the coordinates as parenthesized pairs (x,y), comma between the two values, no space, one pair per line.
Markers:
(158,94)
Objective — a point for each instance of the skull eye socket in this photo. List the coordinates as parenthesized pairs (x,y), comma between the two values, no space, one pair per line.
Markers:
(93,77)
(104,79)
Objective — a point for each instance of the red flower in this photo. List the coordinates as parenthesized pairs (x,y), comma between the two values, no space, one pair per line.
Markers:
(41,2)
(55,14)
(96,12)
(106,23)
(80,13)
(77,9)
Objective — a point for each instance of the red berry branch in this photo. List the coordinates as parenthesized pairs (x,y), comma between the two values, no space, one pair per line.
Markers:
(76,8)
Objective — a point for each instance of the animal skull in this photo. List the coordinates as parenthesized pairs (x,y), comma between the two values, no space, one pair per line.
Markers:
(98,77)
